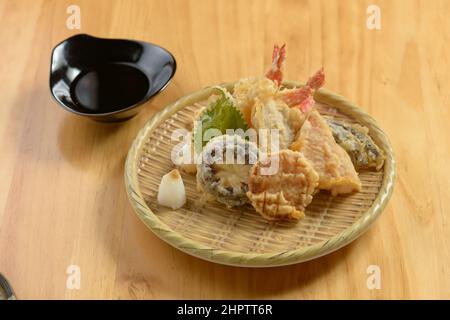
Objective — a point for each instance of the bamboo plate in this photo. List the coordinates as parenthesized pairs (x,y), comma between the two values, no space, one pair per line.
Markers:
(240,236)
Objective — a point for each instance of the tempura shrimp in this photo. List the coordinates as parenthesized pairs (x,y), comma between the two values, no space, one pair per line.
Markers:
(303,97)
(275,74)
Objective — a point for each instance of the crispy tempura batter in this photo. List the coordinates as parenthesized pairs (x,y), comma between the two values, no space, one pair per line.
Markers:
(256,99)
(274,115)
(285,194)
(336,172)
(355,139)
(306,155)
(249,90)
(226,182)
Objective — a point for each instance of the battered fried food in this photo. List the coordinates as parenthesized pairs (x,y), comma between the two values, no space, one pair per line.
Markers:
(309,154)
(284,194)
(274,114)
(226,179)
(249,90)
(355,139)
(334,166)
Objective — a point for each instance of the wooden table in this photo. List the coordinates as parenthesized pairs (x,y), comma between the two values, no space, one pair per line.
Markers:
(62,196)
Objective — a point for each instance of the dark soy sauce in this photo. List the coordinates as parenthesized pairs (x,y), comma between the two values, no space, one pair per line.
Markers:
(109,88)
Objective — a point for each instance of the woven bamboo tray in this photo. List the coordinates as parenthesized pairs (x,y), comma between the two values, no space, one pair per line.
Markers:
(240,236)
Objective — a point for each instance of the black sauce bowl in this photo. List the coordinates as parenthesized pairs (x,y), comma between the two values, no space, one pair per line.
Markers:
(78,60)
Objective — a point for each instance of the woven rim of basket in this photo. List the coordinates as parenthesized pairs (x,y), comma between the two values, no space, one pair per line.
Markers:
(259,259)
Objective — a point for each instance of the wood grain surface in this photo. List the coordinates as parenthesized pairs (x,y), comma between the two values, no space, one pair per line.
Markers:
(62,195)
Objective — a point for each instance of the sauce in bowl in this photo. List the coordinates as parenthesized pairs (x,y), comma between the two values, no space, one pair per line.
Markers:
(109,87)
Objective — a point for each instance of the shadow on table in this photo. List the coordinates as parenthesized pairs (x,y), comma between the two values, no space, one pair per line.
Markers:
(253,283)
(150,268)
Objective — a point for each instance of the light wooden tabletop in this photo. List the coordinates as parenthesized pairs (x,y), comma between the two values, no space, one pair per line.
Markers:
(62,194)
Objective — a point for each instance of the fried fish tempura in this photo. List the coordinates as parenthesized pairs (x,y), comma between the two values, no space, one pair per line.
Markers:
(334,166)
(285,194)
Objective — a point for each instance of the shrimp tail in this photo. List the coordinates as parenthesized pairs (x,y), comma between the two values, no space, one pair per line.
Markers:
(275,74)
(301,97)
(317,80)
